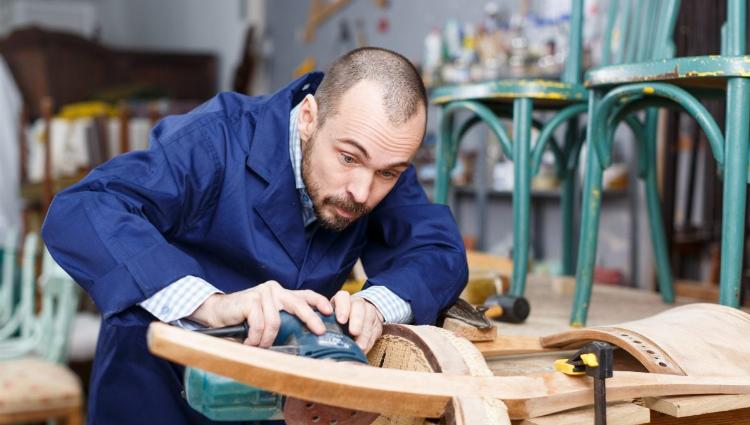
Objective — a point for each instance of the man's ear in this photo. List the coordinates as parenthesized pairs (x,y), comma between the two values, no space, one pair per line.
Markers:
(308,117)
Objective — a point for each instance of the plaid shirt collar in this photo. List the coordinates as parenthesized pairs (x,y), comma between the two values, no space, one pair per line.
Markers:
(295,155)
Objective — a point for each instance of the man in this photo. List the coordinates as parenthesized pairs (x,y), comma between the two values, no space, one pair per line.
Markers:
(248,206)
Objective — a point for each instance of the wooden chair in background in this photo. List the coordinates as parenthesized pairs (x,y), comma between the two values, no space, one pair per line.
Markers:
(646,77)
(36,383)
(490,103)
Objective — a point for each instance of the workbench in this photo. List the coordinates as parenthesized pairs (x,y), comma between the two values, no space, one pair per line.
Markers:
(551,300)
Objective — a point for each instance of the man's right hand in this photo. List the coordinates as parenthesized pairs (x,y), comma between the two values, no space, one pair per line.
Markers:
(260,306)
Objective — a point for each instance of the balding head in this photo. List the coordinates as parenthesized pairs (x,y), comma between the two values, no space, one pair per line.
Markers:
(403,93)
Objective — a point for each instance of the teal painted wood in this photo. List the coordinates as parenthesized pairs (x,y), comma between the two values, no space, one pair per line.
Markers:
(733,212)
(572,73)
(673,70)
(567,211)
(487,116)
(608,112)
(8,282)
(631,35)
(624,30)
(574,141)
(632,87)
(19,323)
(637,42)
(550,92)
(525,96)
(653,205)
(590,208)
(607,44)
(522,109)
(444,160)
(648,30)
(663,44)
(591,213)
(644,31)
(547,132)
(567,174)
(735,189)
(623,96)
(450,138)
(50,329)
(736,27)
(59,305)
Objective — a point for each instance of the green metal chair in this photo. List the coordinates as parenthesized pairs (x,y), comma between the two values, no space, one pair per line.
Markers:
(651,79)
(19,321)
(491,102)
(32,360)
(8,278)
(48,332)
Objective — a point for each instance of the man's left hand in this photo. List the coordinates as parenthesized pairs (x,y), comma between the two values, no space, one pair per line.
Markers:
(365,320)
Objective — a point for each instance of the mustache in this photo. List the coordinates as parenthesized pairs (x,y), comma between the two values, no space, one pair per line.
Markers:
(347,204)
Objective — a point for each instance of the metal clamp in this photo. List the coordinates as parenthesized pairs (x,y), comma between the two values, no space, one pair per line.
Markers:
(594,360)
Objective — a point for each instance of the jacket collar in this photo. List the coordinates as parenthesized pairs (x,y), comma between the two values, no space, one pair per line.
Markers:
(279,206)
(270,145)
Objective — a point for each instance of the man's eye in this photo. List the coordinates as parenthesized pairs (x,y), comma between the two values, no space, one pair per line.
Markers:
(347,159)
(388,174)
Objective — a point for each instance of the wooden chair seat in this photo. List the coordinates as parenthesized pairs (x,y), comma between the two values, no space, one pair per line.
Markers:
(546,93)
(33,389)
(699,71)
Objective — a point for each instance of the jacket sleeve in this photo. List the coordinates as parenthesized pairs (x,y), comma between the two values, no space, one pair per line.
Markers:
(415,249)
(111,231)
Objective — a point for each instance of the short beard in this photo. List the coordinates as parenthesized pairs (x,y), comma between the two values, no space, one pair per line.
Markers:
(336,223)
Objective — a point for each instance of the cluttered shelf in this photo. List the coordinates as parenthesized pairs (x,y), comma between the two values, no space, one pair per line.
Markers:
(65,130)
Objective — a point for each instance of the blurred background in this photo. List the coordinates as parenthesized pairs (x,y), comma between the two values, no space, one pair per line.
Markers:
(82,81)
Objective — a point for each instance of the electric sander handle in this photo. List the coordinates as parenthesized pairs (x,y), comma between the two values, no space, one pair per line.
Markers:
(290,325)
(234,331)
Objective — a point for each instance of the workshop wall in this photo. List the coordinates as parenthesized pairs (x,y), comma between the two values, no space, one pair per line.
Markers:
(402,26)
(216,27)
(219,27)
(182,25)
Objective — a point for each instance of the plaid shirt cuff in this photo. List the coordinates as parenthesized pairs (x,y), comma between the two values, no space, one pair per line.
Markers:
(180,299)
(390,305)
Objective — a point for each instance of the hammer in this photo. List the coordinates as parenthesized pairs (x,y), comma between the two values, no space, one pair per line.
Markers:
(507,308)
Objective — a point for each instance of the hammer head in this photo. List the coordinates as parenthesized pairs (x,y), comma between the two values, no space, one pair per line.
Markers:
(507,308)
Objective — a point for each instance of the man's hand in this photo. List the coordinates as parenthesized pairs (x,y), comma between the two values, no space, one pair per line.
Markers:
(260,306)
(365,320)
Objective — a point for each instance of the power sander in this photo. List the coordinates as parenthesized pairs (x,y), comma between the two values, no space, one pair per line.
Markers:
(224,399)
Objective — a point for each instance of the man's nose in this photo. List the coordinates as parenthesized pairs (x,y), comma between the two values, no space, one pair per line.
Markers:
(359,188)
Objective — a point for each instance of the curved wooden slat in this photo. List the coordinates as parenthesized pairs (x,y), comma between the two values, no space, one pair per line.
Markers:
(435,350)
(694,340)
(419,394)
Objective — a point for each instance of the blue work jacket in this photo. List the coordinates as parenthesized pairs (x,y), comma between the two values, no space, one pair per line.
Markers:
(214,197)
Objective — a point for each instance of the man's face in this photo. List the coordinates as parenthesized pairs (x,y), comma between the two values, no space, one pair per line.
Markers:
(351,163)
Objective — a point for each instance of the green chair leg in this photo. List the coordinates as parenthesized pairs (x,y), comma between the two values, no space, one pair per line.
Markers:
(444,160)
(653,204)
(567,201)
(522,109)
(592,192)
(567,204)
(735,186)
